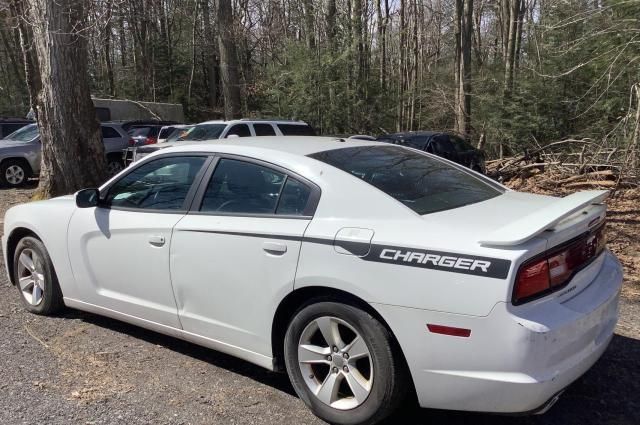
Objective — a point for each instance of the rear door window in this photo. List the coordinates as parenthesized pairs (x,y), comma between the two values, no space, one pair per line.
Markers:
(422,183)
(243,188)
(264,130)
(240,130)
(296,130)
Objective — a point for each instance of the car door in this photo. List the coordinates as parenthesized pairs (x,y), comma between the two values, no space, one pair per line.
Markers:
(234,256)
(119,250)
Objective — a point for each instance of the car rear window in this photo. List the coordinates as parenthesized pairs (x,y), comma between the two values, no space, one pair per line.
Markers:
(422,183)
(296,130)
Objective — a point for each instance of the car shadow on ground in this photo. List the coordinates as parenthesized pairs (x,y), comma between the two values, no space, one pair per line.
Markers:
(606,394)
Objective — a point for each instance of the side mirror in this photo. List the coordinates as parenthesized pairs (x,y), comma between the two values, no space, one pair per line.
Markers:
(87,198)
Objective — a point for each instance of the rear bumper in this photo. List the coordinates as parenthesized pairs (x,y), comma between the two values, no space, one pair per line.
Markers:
(517,358)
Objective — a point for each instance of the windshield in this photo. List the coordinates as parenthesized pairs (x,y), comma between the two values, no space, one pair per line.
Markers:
(179,134)
(204,132)
(25,134)
(422,183)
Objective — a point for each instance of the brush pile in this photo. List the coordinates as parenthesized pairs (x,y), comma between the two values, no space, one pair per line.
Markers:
(567,166)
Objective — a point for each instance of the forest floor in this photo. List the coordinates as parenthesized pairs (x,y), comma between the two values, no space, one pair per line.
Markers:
(79,368)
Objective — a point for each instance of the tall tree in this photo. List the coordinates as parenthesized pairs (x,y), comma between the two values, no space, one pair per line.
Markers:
(228,60)
(210,55)
(464,34)
(72,150)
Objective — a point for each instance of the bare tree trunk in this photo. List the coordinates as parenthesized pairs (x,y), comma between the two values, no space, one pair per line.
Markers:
(228,61)
(209,55)
(72,151)
(32,76)
(107,48)
(464,14)
(309,27)
(509,63)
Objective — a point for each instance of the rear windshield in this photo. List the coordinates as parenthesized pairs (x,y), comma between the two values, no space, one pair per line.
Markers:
(139,131)
(422,183)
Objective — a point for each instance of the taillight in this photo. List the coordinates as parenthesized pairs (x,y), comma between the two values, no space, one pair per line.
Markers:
(150,140)
(532,279)
(132,142)
(555,268)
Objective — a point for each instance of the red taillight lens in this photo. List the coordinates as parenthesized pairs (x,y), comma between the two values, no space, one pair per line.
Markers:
(557,267)
(532,279)
(132,142)
(150,141)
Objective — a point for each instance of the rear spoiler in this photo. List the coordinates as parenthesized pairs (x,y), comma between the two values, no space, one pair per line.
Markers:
(538,221)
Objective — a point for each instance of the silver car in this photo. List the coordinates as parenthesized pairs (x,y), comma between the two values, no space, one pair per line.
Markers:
(20,153)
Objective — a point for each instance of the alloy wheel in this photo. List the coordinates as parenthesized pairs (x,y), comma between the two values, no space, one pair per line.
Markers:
(31,276)
(14,175)
(335,363)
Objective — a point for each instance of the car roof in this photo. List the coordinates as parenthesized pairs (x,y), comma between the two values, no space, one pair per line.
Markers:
(411,133)
(256,120)
(297,145)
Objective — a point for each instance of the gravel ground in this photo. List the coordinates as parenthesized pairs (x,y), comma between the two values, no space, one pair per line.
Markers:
(79,368)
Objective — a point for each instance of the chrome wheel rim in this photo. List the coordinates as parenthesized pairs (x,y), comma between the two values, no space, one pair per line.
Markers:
(335,363)
(14,174)
(31,277)
(114,167)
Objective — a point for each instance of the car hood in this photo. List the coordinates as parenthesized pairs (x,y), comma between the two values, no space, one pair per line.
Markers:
(13,144)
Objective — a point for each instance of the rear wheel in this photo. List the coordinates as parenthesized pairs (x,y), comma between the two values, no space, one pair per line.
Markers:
(344,364)
(14,172)
(35,277)
(114,165)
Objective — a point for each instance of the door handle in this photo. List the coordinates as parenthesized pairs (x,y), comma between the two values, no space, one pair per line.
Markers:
(157,240)
(274,248)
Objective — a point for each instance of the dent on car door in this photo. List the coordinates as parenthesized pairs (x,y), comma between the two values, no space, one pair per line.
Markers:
(120,249)
(234,257)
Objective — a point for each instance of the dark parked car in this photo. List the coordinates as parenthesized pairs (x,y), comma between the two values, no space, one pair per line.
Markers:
(445,145)
(10,125)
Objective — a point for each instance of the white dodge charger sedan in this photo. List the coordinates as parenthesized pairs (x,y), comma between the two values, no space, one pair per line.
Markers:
(367,271)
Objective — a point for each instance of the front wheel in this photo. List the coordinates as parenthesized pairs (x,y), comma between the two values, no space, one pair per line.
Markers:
(344,364)
(35,277)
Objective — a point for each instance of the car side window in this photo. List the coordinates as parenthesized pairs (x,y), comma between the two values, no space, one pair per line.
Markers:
(296,130)
(109,133)
(240,130)
(161,184)
(294,198)
(242,187)
(264,130)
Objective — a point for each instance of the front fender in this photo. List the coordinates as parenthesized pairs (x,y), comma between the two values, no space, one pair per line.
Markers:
(49,221)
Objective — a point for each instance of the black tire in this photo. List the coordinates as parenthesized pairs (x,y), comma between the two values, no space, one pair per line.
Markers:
(10,166)
(51,301)
(114,165)
(390,376)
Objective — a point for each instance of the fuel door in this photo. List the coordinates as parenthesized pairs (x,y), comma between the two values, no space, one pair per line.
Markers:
(353,241)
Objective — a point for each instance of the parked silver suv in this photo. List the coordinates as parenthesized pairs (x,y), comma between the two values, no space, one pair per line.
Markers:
(20,153)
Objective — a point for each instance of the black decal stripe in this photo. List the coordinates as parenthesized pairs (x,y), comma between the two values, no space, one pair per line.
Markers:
(497,268)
